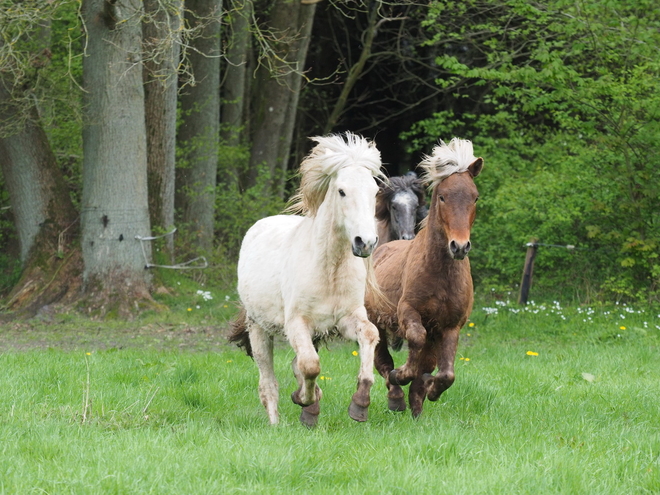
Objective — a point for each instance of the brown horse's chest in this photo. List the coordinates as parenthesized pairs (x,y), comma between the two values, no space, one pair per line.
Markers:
(442,304)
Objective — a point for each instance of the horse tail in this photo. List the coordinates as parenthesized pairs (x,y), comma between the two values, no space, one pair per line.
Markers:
(377,295)
(239,334)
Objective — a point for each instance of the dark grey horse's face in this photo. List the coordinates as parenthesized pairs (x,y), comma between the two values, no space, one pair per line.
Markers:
(403,214)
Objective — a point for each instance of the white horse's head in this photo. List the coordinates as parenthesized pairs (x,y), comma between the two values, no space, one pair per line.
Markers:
(339,174)
(354,203)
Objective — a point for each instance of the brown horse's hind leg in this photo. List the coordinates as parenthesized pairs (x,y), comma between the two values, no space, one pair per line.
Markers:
(384,364)
(418,390)
(416,396)
(445,376)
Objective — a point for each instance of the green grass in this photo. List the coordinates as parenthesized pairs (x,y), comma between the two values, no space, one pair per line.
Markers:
(119,415)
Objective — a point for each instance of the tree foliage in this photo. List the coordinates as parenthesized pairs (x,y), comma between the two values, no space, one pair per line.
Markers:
(562,99)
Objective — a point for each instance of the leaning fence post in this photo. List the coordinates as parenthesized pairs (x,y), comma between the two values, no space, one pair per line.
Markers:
(528,269)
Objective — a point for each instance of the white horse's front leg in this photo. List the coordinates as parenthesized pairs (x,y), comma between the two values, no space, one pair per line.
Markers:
(358,327)
(262,351)
(306,367)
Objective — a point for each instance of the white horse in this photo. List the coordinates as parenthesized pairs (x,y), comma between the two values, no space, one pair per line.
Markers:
(304,276)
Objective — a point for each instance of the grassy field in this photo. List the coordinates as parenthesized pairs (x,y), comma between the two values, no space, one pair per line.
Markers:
(546,400)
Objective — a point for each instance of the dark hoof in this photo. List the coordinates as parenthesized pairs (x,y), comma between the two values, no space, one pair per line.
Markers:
(397,405)
(394,381)
(308,417)
(358,413)
(415,413)
(295,397)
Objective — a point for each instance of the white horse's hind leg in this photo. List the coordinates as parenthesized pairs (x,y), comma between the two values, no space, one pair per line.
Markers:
(358,327)
(262,351)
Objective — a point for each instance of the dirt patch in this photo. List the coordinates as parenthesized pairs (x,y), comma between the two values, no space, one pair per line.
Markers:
(93,336)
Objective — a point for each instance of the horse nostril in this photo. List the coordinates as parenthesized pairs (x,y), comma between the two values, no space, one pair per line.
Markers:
(453,247)
(359,243)
(468,246)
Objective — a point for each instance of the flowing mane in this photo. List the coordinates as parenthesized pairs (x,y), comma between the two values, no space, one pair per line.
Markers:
(447,159)
(331,154)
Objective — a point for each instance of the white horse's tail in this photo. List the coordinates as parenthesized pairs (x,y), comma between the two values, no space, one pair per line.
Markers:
(239,334)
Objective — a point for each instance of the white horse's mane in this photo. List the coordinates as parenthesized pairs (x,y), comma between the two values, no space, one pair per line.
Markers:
(331,154)
(447,159)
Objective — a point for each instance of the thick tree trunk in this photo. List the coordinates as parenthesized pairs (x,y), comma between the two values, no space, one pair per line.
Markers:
(276,91)
(198,133)
(160,30)
(114,209)
(234,85)
(45,220)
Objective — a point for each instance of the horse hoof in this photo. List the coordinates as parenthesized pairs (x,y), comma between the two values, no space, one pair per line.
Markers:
(295,397)
(395,381)
(396,405)
(358,413)
(309,419)
(416,413)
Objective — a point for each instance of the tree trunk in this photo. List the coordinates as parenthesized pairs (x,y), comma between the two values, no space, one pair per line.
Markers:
(198,133)
(43,213)
(114,207)
(277,89)
(44,216)
(161,41)
(234,85)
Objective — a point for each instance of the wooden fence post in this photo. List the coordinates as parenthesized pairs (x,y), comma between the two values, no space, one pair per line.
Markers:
(532,247)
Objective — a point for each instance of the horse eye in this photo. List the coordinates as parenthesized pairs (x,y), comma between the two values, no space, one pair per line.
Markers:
(342,193)
(476,199)
(441,198)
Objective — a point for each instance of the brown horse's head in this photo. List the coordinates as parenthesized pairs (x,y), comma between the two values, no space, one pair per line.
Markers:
(454,201)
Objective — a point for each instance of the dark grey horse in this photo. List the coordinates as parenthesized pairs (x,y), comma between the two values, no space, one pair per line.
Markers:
(400,206)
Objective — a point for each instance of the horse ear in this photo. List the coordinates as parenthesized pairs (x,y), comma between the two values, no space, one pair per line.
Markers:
(475,167)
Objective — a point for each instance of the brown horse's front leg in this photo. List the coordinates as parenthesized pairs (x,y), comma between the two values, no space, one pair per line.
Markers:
(444,378)
(410,324)
(385,364)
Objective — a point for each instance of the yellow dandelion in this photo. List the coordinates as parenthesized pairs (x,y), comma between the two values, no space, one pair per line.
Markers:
(230,361)
(471,324)
(355,353)
(532,353)
(89,353)
(622,328)
(189,309)
(225,306)
(321,377)
(469,335)
(467,359)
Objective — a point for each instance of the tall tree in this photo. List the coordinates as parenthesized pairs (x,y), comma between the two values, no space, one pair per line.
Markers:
(277,88)
(44,216)
(114,209)
(161,40)
(200,121)
(235,73)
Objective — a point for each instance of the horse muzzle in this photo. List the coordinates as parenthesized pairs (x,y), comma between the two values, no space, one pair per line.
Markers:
(363,249)
(459,250)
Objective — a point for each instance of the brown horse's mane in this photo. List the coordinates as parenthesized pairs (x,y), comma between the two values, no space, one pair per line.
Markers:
(447,159)
(395,185)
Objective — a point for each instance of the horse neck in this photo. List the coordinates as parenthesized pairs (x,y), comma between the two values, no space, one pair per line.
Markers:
(332,247)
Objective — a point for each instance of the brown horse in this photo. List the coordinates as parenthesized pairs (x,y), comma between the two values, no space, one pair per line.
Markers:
(427,282)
